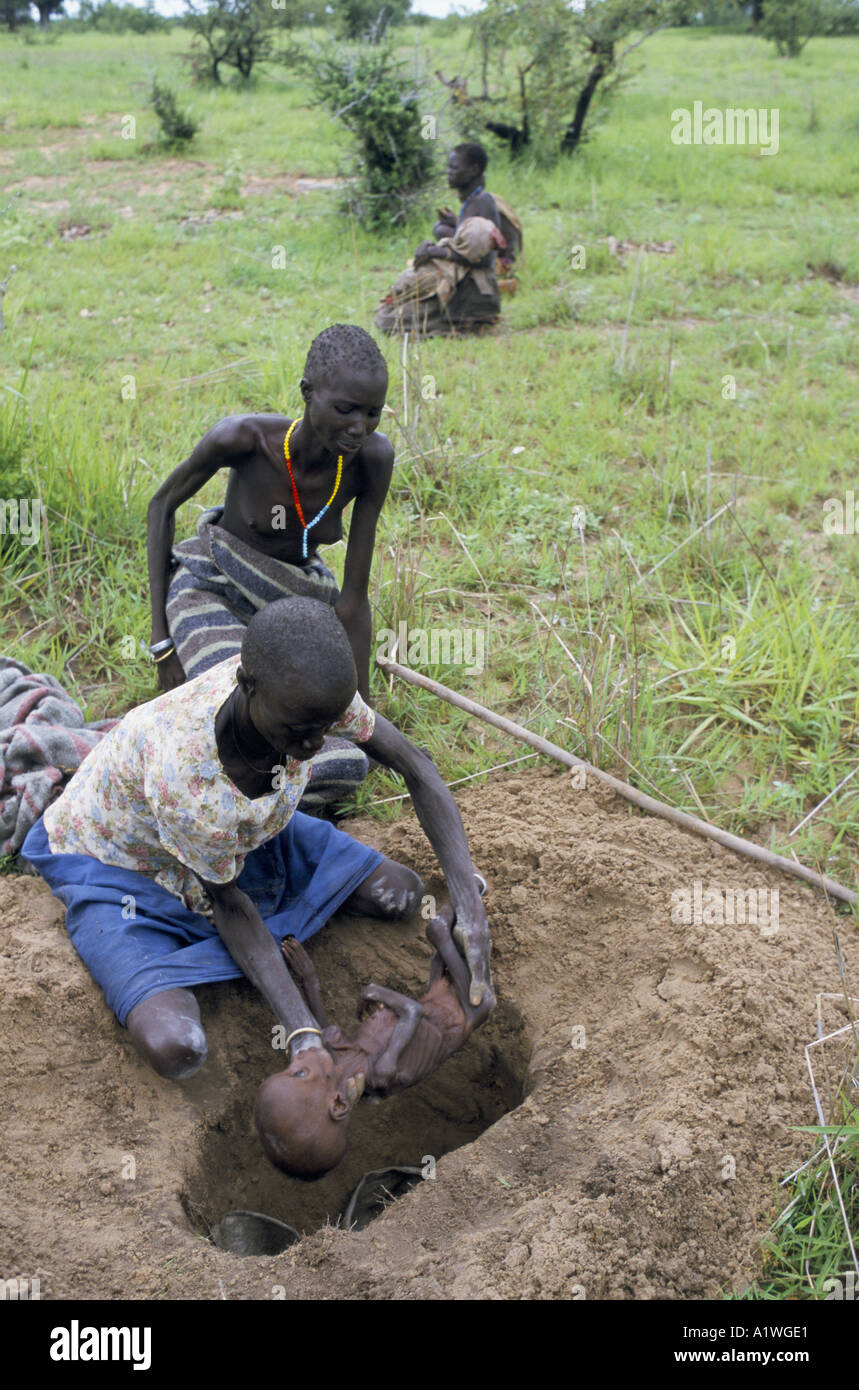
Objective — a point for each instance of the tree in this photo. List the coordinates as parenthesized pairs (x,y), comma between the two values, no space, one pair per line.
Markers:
(355,18)
(835,17)
(842,17)
(376,98)
(14,13)
(236,33)
(177,125)
(46,8)
(791,23)
(552,60)
(118,19)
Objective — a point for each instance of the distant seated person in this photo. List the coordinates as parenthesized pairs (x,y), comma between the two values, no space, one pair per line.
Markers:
(511,230)
(451,285)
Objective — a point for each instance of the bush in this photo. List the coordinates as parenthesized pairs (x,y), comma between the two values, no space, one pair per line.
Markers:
(380,103)
(119,19)
(177,126)
(357,17)
(842,17)
(721,14)
(236,33)
(791,23)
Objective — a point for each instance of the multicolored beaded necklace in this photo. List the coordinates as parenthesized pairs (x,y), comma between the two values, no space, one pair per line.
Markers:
(308,525)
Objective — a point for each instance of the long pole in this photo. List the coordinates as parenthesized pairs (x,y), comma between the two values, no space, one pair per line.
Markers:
(640,799)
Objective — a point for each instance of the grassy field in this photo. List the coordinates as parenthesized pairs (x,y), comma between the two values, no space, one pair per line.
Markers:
(714,666)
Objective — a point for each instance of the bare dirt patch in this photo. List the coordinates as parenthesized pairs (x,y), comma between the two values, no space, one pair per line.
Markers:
(255,186)
(581,1139)
(205,219)
(622,249)
(61,205)
(73,231)
(36,182)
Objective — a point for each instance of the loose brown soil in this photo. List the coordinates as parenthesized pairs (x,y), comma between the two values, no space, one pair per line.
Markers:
(568,1161)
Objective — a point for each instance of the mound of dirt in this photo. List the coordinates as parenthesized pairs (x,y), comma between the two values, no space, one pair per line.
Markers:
(616,1130)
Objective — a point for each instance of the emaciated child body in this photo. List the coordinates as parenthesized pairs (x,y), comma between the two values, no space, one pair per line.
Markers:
(302,1112)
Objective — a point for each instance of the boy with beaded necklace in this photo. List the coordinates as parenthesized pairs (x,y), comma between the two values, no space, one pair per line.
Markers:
(290,482)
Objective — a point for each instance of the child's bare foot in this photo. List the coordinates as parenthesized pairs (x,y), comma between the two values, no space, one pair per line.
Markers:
(301,967)
(299,962)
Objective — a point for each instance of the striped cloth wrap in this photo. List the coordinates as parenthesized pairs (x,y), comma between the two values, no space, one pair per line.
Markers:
(217,584)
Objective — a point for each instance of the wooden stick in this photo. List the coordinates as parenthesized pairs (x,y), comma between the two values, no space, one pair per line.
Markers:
(640,799)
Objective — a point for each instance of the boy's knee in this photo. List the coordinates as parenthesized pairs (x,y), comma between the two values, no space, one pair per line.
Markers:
(169,1039)
(176,1058)
(397,892)
(392,891)
(411,891)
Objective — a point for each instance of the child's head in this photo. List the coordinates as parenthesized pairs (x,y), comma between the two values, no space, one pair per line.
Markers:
(298,672)
(302,1115)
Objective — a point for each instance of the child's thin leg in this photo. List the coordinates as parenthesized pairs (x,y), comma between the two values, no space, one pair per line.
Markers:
(438,935)
(301,967)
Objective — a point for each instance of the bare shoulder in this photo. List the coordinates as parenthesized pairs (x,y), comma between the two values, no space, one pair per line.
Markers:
(377,461)
(241,434)
(378,452)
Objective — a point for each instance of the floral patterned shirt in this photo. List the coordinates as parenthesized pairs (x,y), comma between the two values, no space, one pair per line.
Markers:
(153,796)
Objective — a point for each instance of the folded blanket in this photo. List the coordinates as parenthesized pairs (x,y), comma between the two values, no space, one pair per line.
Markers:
(43,740)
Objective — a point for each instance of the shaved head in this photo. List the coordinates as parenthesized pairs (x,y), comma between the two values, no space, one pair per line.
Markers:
(298,647)
(294,1123)
(343,345)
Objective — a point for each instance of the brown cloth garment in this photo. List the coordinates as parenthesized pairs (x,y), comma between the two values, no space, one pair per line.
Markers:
(448,296)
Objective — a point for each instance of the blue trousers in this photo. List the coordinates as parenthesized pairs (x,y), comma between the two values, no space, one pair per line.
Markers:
(136,939)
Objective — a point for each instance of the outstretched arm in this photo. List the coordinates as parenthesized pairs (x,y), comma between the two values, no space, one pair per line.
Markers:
(448,958)
(409,1014)
(223,447)
(255,952)
(432,251)
(353,605)
(436,810)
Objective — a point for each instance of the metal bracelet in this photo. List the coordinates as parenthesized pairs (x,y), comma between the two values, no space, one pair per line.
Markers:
(166,644)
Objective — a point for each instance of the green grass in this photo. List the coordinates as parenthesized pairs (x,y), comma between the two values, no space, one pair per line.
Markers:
(805,1253)
(715,668)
